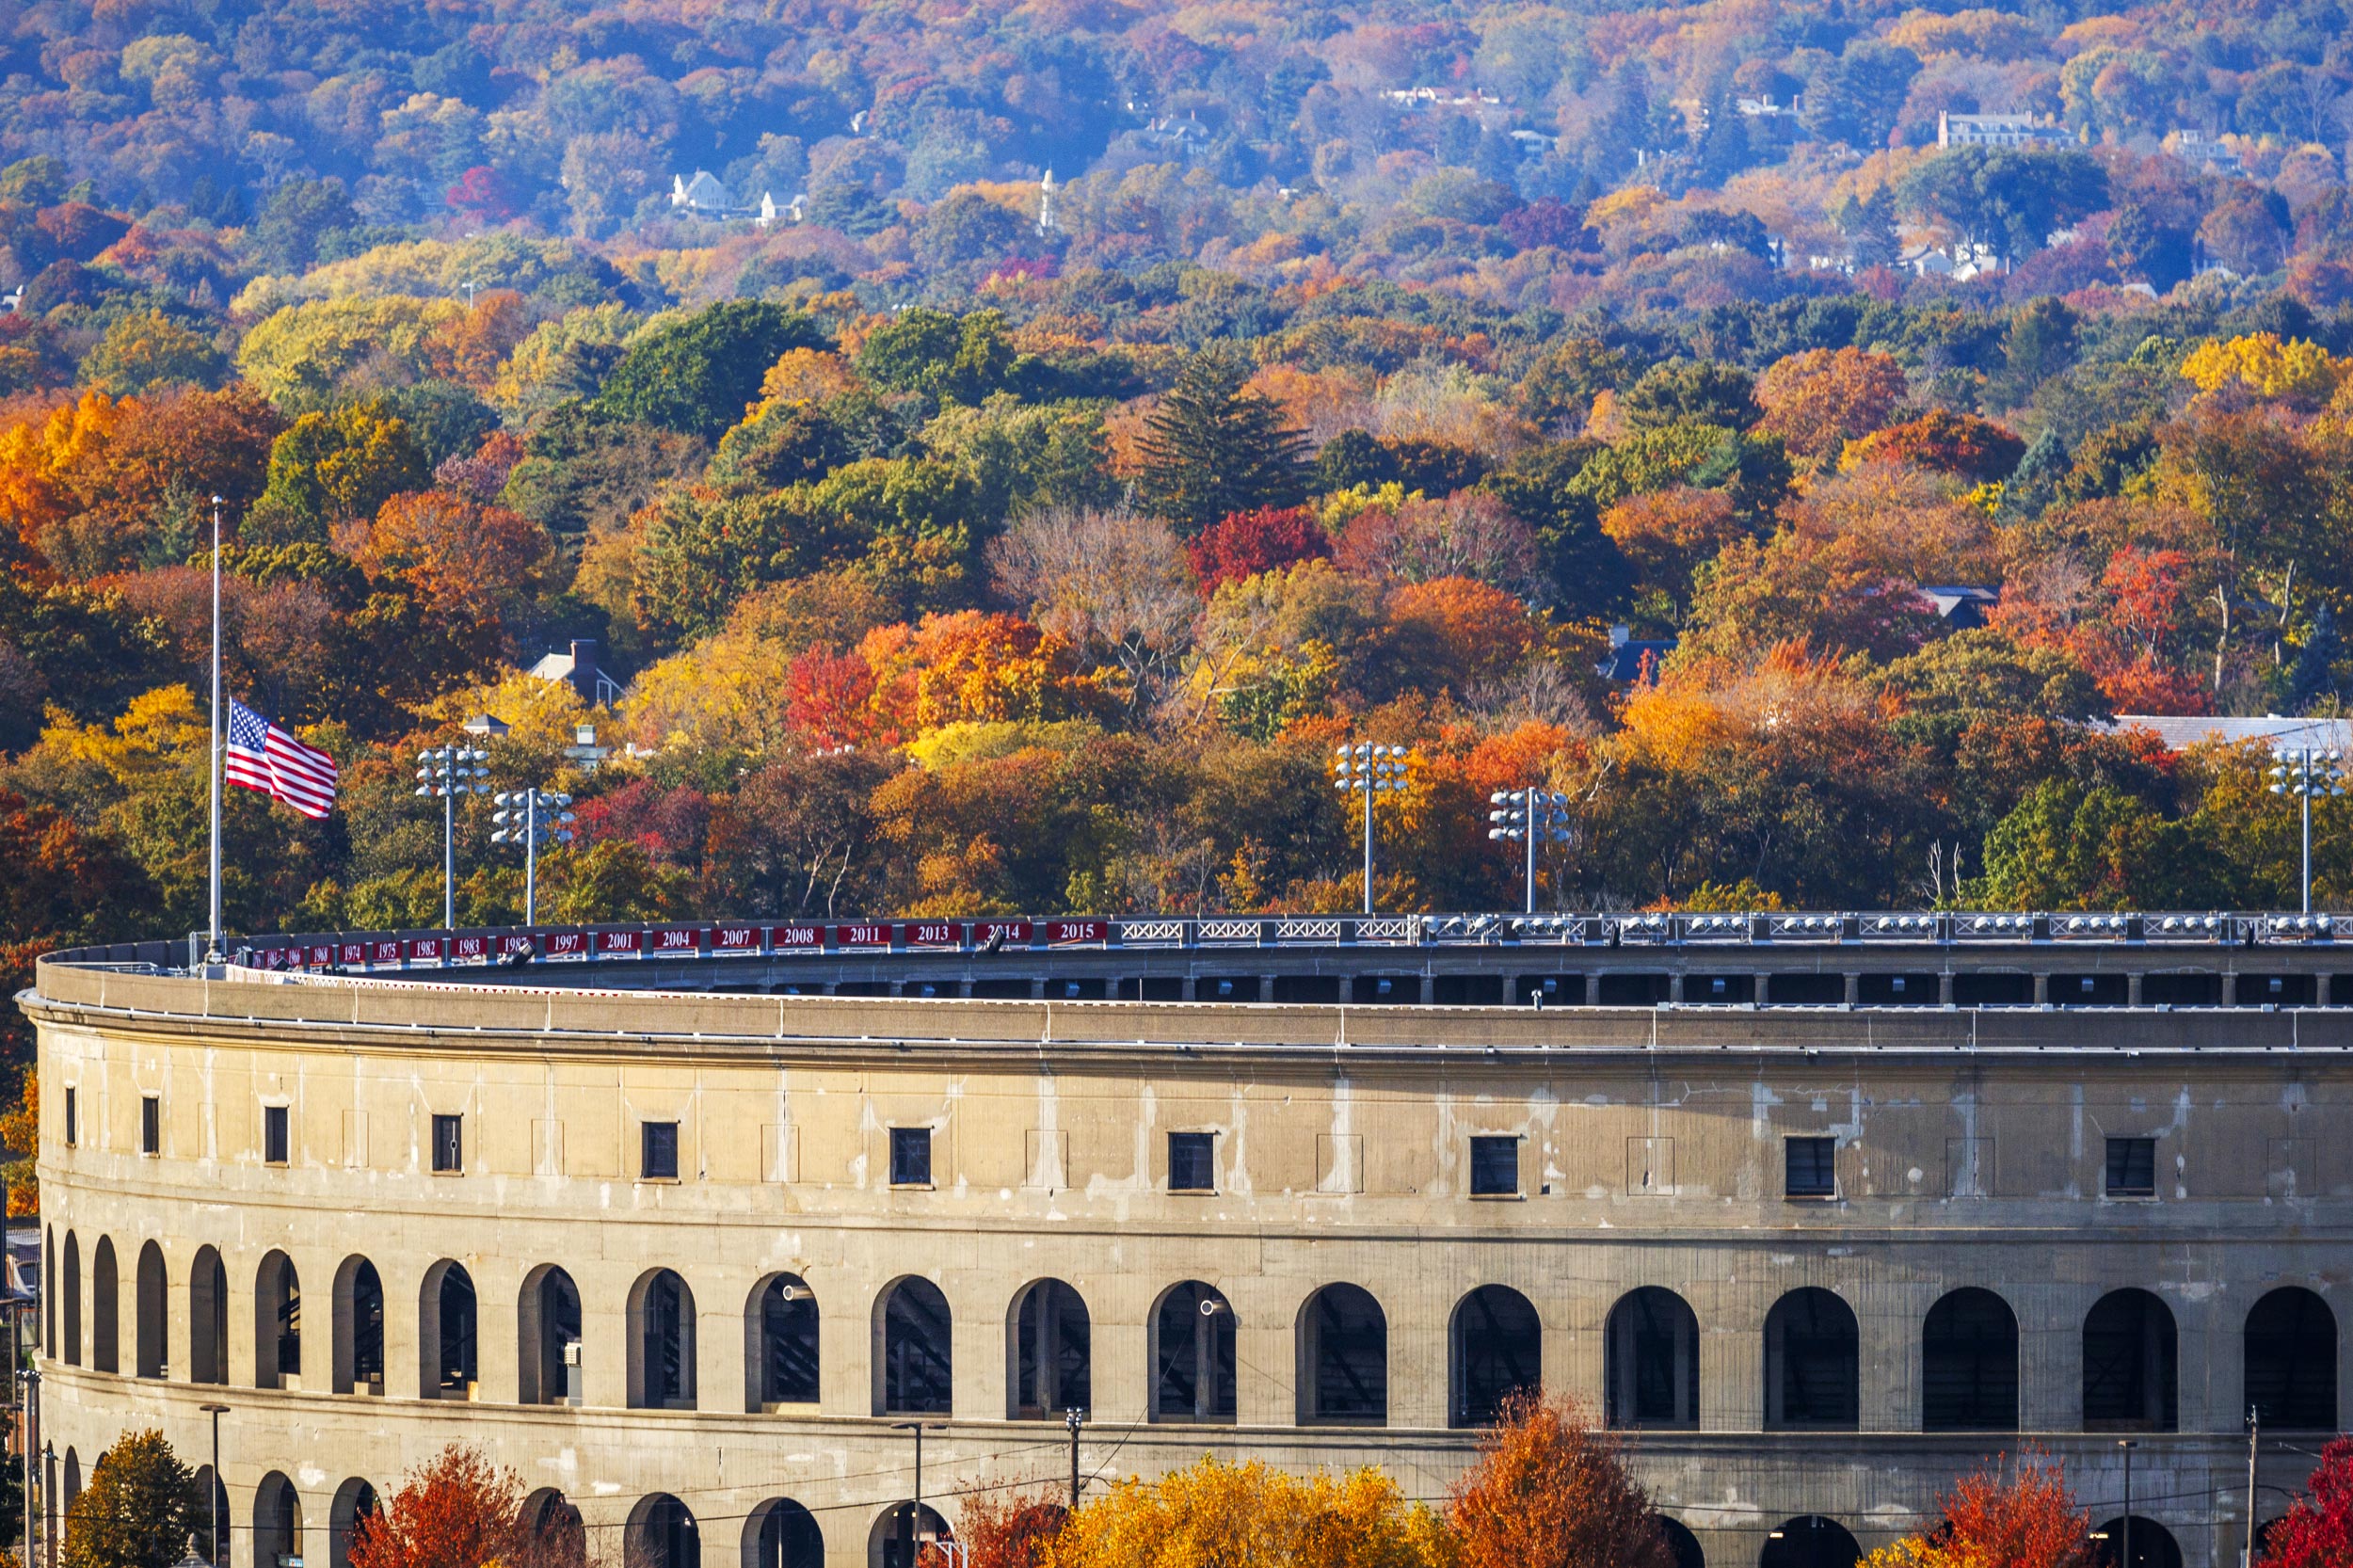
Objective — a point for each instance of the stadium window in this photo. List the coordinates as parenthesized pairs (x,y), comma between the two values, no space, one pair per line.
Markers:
(2131,1168)
(274,1138)
(1811,1168)
(910,1157)
(1494,1167)
(658,1151)
(449,1145)
(151,1124)
(1193,1161)
(72,1117)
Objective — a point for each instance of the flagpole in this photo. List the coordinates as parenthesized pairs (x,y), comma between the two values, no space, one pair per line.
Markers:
(213,953)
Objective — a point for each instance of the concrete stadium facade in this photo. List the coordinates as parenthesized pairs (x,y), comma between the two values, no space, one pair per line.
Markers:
(688,1252)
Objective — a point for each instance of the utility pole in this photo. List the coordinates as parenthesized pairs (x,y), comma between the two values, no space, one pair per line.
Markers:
(1073,1418)
(2254,1430)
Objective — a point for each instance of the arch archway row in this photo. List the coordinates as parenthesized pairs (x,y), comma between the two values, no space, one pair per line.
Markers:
(1968,1347)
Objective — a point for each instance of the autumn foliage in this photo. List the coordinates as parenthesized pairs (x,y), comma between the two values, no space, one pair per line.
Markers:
(456,1511)
(1242,544)
(2317,1531)
(1550,1492)
(1250,1515)
(2020,1516)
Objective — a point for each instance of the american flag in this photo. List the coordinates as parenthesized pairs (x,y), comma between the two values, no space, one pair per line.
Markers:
(262,757)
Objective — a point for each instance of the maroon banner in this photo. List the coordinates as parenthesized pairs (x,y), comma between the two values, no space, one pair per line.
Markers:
(349,953)
(384,952)
(1005,934)
(932,933)
(1076,933)
(861,936)
(734,939)
(317,956)
(512,944)
(677,940)
(426,950)
(783,936)
(620,944)
(470,949)
(270,958)
(568,944)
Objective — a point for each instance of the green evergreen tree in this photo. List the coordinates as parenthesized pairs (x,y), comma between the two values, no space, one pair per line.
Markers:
(1212,448)
(2313,682)
(136,1511)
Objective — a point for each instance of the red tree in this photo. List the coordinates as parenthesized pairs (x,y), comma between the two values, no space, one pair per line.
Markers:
(456,1511)
(482,192)
(2318,1531)
(1243,544)
(1005,1529)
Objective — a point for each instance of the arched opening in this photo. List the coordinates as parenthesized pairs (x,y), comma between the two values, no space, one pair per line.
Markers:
(2291,1351)
(446,1320)
(1811,1542)
(208,1318)
(73,1487)
(154,1312)
(898,1533)
(49,1289)
(2130,1363)
(201,1518)
(913,1365)
(276,1522)
(1969,1363)
(71,1341)
(1193,1355)
(1813,1377)
(781,1360)
(783,1535)
(548,1325)
(555,1535)
(660,1343)
(358,1328)
(1494,1350)
(276,1327)
(105,1309)
(1343,1358)
(355,1501)
(1651,1361)
(1048,1348)
(1681,1543)
(2151,1544)
(660,1534)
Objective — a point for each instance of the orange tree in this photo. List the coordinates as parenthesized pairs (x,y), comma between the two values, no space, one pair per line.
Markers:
(2026,1519)
(456,1511)
(1549,1492)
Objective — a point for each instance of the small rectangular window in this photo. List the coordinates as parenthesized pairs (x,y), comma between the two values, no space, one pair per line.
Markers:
(273,1135)
(1193,1161)
(658,1142)
(151,1124)
(2131,1168)
(1494,1167)
(1811,1169)
(449,1143)
(72,1117)
(910,1157)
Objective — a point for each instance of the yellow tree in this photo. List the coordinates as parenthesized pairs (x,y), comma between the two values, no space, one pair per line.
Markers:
(1251,1516)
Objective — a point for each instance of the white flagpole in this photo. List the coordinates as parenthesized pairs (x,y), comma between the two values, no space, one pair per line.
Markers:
(213,953)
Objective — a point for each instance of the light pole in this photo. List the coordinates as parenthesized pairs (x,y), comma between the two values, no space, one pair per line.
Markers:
(451,771)
(1074,1418)
(2307,772)
(1530,816)
(914,1510)
(1370,769)
(526,817)
(220,1556)
(2254,1433)
(2124,1558)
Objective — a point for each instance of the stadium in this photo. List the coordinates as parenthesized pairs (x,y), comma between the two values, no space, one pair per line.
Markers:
(708,1232)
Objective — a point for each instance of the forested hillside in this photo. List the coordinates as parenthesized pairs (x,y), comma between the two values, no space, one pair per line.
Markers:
(963,542)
